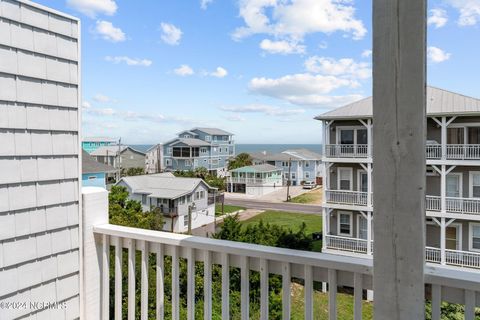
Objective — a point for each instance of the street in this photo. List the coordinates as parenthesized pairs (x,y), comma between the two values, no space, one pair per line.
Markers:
(279,206)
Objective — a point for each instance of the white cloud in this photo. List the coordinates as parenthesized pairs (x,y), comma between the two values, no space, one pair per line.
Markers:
(184,70)
(92,8)
(129,61)
(219,73)
(469,11)
(295,19)
(281,47)
(341,67)
(437,55)
(102,111)
(263,109)
(236,118)
(170,34)
(437,17)
(204,3)
(86,105)
(367,53)
(109,32)
(102,98)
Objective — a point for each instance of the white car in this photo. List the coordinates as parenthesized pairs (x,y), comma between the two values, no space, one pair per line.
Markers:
(309,185)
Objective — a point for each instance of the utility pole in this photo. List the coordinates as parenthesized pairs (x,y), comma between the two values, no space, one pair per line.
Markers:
(119,174)
(288,180)
(190,209)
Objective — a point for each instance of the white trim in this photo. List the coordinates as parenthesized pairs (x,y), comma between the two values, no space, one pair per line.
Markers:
(456,225)
(470,183)
(470,235)
(460,181)
(350,214)
(351,177)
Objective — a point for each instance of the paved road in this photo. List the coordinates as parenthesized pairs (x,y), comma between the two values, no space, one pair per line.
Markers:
(279,206)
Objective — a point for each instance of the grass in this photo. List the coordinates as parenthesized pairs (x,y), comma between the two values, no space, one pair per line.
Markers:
(226,208)
(314,196)
(292,220)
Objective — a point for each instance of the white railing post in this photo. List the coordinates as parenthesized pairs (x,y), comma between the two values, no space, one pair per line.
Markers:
(95,212)
(442,240)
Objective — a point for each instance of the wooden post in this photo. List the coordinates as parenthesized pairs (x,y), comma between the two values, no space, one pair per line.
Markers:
(399,45)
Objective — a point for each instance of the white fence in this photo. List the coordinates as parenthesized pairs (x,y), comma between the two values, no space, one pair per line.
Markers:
(453,257)
(256,181)
(346,151)
(455,205)
(347,197)
(355,245)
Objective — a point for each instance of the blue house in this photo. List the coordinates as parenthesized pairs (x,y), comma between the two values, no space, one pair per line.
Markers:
(94,174)
(91,144)
(209,148)
(299,165)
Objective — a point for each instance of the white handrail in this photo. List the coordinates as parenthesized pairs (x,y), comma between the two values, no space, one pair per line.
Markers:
(454,205)
(453,257)
(346,197)
(356,245)
(346,151)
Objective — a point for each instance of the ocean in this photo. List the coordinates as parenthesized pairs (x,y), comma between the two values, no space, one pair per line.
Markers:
(269,148)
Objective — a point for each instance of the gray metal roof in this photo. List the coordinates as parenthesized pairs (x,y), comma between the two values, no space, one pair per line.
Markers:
(99,139)
(294,154)
(257,168)
(162,185)
(439,102)
(303,154)
(192,142)
(89,165)
(270,156)
(214,131)
(112,150)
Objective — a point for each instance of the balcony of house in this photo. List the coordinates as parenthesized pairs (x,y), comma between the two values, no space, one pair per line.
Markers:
(465,208)
(345,197)
(185,152)
(456,258)
(347,244)
(347,151)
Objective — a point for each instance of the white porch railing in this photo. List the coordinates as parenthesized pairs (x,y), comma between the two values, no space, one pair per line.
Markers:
(454,205)
(355,245)
(453,257)
(346,151)
(253,181)
(346,197)
(454,151)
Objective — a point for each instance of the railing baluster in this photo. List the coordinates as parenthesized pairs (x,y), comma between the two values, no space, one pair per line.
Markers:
(207,285)
(332,294)
(175,284)
(160,283)
(191,284)
(225,286)
(286,281)
(358,295)
(245,288)
(469,305)
(144,282)
(118,278)
(264,289)
(308,292)
(105,277)
(131,279)
(436,301)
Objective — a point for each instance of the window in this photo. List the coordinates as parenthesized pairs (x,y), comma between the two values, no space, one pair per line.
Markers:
(453,237)
(307,175)
(362,227)
(474,184)
(362,181)
(203,150)
(188,163)
(185,221)
(345,177)
(168,162)
(455,135)
(197,195)
(345,223)
(347,136)
(189,198)
(475,236)
(92,178)
(181,200)
(474,135)
(208,138)
(353,135)
(454,185)
(202,194)
(293,176)
(286,175)
(144,199)
(307,164)
(169,150)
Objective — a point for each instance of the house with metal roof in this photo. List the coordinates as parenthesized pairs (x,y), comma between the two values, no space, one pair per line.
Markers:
(120,156)
(208,148)
(256,179)
(94,173)
(452,204)
(176,198)
(91,144)
(298,165)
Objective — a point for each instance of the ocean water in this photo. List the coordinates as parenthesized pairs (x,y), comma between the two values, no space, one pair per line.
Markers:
(269,148)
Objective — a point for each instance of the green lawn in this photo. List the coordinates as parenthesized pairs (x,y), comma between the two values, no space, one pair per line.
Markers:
(313,197)
(292,220)
(226,208)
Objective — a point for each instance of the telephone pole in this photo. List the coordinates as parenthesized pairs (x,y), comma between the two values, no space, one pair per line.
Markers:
(288,180)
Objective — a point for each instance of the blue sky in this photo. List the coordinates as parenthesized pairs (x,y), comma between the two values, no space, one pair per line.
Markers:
(261,69)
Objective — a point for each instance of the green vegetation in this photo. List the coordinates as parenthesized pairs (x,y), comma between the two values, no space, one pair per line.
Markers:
(314,196)
(291,220)
(132,172)
(241,160)
(202,173)
(226,209)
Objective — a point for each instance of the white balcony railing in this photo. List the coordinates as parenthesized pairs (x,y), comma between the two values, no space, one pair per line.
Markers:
(355,245)
(346,151)
(346,197)
(253,181)
(454,151)
(454,205)
(308,267)
(453,257)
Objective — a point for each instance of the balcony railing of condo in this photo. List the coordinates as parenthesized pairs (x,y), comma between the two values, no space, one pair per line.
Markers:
(453,205)
(453,257)
(347,197)
(347,151)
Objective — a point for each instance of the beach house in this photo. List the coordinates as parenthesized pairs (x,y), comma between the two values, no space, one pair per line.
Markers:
(154,159)
(91,144)
(94,173)
(120,157)
(257,179)
(208,148)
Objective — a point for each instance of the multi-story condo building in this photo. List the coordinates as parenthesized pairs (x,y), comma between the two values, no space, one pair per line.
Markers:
(154,159)
(298,165)
(208,148)
(453,179)
(39,162)
(91,144)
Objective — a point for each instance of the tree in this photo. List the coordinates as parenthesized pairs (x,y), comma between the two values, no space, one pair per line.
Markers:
(132,172)
(202,173)
(241,160)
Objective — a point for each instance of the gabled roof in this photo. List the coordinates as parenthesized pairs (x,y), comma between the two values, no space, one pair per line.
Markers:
(192,142)
(257,168)
(162,185)
(89,165)
(303,154)
(155,146)
(439,102)
(270,156)
(214,131)
(189,132)
(113,150)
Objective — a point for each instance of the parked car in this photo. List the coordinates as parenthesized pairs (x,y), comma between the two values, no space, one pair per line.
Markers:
(309,185)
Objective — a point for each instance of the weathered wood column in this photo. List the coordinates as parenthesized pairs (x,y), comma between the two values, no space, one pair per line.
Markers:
(399,41)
